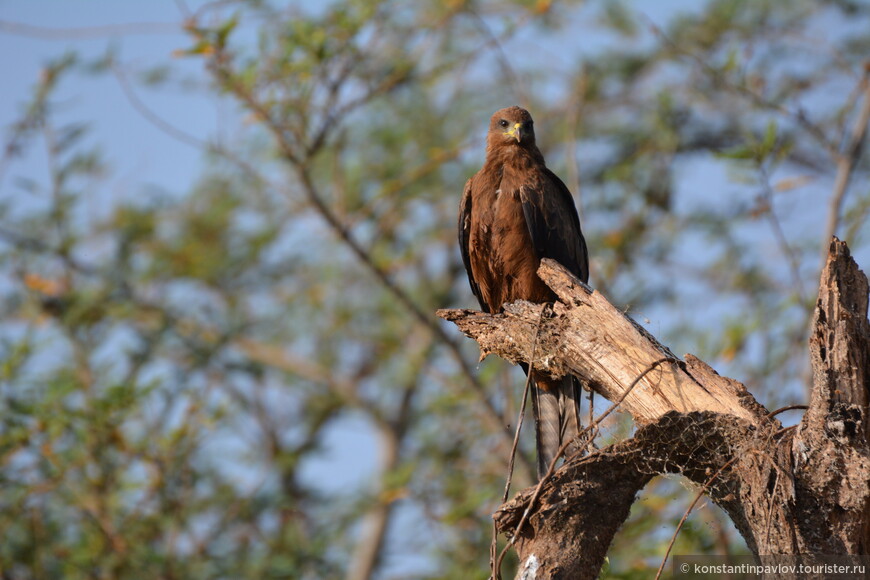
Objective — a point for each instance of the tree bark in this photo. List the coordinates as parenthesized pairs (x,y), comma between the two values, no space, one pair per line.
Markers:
(802,491)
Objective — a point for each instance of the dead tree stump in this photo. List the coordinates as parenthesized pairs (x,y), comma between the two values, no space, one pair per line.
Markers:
(801,491)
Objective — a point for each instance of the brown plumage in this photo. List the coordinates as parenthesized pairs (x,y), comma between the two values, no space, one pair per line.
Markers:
(514,212)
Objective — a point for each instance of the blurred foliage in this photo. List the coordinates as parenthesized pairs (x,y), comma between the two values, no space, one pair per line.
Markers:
(176,373)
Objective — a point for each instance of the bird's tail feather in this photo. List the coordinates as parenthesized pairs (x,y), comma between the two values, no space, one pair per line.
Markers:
(556,408)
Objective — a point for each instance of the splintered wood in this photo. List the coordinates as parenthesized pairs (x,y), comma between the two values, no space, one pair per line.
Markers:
(586,336)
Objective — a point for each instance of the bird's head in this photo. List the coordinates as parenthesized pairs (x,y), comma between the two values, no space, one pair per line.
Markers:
(512,127)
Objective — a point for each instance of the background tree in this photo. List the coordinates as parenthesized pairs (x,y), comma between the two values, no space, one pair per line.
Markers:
(177,369)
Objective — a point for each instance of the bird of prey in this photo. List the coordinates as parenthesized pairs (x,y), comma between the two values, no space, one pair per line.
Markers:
(515,211)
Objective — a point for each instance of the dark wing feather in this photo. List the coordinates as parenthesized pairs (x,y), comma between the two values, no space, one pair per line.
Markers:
(553,223)
(464,236)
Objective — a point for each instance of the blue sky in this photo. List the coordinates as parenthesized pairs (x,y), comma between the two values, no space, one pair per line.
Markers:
(144,35)
(140,154)
(143,158)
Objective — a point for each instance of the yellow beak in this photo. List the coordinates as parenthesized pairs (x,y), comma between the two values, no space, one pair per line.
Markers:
(516,132)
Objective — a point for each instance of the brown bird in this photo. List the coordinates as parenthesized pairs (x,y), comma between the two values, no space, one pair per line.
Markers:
(514,212)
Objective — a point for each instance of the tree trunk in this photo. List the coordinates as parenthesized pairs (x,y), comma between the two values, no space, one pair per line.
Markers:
(802,491)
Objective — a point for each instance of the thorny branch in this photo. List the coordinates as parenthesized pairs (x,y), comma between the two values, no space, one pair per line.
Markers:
(845,157)
(299,160)
(298,156)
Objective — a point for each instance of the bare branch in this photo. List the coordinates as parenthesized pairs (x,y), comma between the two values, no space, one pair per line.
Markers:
(846,161)
(689,509)
(125,29)
(591,339)
(151,116)
(785,247)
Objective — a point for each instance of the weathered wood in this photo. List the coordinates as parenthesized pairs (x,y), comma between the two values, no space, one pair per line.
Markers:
(803,491)
(831,449)
(584,504)
(591,339)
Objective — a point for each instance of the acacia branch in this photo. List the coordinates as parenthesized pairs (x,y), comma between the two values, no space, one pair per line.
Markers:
(299,159)
(720,79)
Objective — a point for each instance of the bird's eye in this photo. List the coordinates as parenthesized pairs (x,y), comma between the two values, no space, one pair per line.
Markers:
(503,123)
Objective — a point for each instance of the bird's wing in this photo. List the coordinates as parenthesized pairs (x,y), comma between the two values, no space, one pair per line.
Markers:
(554,228)
(464,237)
(553,223)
